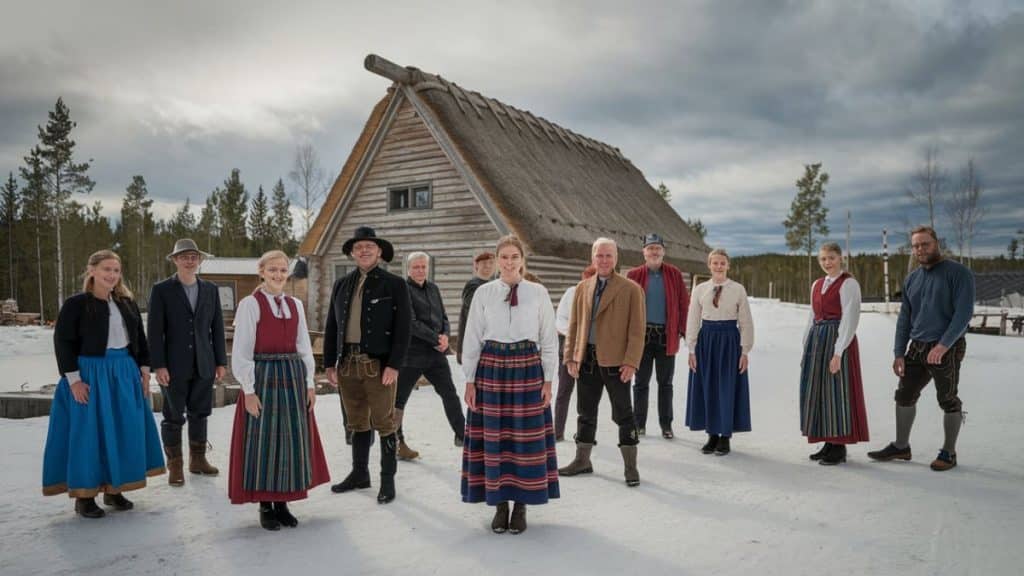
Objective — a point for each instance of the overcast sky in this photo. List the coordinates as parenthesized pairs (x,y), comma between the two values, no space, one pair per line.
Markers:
(723,101)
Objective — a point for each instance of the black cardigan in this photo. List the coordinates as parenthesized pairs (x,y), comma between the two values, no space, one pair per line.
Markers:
(82,327)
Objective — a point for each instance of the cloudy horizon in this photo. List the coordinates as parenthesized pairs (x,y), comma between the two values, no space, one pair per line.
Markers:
(723,102)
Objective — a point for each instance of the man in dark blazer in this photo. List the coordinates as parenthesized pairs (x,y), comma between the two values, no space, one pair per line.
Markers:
(365,343)
(186,335)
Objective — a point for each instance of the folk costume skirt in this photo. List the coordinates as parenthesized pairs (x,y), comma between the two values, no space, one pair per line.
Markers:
(718,396)
(109,444)
(278,456)
(509,449)
(831,405)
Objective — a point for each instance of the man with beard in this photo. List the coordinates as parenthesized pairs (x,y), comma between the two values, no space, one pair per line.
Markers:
(938,302)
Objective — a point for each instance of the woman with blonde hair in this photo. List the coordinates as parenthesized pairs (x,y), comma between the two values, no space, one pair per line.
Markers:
(719,334)
(831,393)
(509,358)
(276,453)
(102,435)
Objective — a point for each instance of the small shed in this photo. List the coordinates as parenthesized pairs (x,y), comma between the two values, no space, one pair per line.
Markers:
(238,277)
(445,170)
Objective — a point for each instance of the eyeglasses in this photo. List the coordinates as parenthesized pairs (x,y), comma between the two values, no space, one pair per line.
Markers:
(189,257)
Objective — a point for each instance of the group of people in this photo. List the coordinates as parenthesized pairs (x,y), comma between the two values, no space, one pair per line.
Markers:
(384,332)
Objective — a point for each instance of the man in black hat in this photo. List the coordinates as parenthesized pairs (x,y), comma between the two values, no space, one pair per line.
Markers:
(365,344)
(667,302)
(186,339)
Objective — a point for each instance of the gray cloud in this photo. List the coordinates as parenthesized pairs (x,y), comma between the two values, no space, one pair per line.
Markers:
(724,102)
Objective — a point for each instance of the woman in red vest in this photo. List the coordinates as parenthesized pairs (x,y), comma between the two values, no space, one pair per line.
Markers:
(831,392)
(276,454)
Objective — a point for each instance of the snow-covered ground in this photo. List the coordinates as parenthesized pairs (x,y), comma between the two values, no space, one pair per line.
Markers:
(764,509)
(26,358)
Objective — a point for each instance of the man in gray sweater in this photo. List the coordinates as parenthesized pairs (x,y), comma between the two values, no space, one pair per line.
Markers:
(938,302)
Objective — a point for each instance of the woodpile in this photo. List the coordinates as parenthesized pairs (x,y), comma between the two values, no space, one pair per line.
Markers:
(9,315)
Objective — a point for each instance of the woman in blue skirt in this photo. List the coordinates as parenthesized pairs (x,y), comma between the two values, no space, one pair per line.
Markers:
(719,334)
(509,356)
(102,435)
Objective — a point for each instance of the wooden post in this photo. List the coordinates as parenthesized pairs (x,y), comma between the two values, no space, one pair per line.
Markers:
(388,69)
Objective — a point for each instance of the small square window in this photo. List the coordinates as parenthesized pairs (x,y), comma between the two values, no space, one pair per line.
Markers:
(398,199)
(415,197)
(421,197)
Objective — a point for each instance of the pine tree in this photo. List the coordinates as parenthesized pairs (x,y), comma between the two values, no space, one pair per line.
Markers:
(208,229)
(136,228)
(232,207)
(664,192)
(36,209)
(807,214)
(260,225)
(698,227)
(183,223)
(8,217)
(63,175)
(282,220)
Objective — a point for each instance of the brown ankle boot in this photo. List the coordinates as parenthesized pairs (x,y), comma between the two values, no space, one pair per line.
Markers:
(175,474)
(406,453)
(197,463)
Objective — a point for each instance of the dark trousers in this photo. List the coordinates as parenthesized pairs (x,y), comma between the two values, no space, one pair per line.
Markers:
(566,383)
(654,359)
(186,398)
(917,372)
(439,374)
(593,380)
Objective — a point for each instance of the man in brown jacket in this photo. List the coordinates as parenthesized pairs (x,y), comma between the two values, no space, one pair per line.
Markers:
(603,348)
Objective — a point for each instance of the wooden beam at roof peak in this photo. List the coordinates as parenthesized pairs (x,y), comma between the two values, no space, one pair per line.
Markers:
(388,69)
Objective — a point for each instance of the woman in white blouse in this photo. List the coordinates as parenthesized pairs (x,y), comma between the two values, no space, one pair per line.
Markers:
(509,356)
(276,454)
(831,393)
(719,334)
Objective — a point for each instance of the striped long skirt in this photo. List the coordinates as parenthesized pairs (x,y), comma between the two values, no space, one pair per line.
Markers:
(831,405)
(109,444)
(718,395)
(509,450)
(276,457)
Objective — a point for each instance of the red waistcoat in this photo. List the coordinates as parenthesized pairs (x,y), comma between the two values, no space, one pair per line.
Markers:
(828,306)
(275,335)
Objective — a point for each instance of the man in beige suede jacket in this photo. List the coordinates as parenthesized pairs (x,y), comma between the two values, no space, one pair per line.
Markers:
(603,348)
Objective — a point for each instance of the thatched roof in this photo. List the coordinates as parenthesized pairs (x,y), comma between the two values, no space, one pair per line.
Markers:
(557,189)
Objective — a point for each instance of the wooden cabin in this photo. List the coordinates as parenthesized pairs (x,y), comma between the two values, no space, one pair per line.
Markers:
(445,170)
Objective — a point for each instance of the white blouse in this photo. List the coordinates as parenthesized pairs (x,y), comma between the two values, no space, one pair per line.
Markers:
(849,299)
(562,316)
(492,318)
(732,305)
(247,316)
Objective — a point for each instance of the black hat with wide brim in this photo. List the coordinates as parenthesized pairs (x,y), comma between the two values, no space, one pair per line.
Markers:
(367,233)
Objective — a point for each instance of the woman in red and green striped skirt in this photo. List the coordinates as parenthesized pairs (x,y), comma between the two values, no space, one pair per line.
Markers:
(276,454)
(509,356)
(831,392)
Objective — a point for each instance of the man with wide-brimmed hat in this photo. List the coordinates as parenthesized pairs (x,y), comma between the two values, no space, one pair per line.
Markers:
(365,343)
(187,352)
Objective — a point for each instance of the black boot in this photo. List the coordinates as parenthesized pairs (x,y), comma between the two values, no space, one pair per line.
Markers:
(722,447)
(284,516)
(117,502)
(820,453)
(87,508)
(359,477)
(499,525)
(517,524)
(388,467)
(711,444)
(268,519)
(836,455)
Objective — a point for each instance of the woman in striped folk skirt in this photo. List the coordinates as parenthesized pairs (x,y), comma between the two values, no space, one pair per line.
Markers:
(276,454)
(509,356)
(831,392)
(720,335)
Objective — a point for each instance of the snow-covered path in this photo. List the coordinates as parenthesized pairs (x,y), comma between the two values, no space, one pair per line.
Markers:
(764,509)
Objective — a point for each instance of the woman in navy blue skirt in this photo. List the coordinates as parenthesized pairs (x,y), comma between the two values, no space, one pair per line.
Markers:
(102,435)
(509,356)
(719,334)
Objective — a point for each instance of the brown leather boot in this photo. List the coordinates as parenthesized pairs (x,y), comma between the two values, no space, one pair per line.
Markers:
(629,461)
(175,473)
(197,463)
(406,453)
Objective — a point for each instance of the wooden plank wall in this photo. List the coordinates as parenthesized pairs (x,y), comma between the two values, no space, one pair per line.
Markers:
(452,231)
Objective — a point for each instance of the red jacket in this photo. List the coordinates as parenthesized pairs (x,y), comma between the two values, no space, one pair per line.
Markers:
(678,301)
